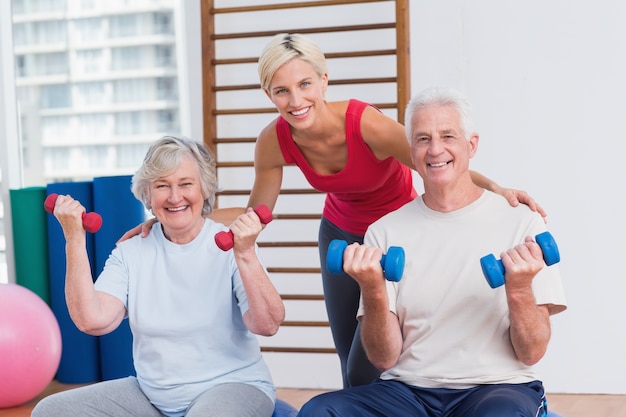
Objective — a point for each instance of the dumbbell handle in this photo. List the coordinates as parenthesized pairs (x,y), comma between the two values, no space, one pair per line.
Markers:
(392,262)
(493,268)
(226,240)
(91,221)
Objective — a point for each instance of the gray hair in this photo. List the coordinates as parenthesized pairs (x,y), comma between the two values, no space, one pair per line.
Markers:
(439,96)
(164,157)
(284,47)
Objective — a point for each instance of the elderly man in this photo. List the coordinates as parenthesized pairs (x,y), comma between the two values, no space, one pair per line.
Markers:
(447,343)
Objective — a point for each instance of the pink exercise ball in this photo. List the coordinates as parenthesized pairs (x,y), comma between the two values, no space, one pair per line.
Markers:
(30,345)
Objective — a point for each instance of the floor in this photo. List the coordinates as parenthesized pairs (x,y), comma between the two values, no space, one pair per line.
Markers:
(581,405)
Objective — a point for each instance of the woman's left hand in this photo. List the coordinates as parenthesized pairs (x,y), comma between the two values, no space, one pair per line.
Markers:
(515,197)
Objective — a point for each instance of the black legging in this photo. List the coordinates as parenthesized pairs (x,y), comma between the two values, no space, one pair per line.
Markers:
(341,295)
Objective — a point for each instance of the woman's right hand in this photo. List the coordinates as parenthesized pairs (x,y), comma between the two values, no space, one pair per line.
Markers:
(143,229)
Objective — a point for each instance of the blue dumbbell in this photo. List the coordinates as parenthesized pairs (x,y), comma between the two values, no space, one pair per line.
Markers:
(392,262)
(493,269)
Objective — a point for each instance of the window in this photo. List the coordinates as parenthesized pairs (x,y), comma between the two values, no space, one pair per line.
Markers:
(91,106)
(124,26)
(164,55)
(88,30)
(97,157)
(130,156)
(55,96)
(43,64)
(167,121)
(132,90)
(20,66)
(89,61)
(39,33)
(92,126)
(55,129)
(127,58)
(37,6)
(56,159)
(90,94)
(129,123)
(163,23)
(167,88)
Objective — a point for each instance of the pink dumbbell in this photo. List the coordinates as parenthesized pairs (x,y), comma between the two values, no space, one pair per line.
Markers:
(91,221)
(225,240)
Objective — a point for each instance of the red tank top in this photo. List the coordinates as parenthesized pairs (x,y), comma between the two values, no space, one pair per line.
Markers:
(366,189)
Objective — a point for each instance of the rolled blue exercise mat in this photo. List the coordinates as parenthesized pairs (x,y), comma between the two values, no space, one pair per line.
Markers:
(80,358)
(120,212)
(30,240)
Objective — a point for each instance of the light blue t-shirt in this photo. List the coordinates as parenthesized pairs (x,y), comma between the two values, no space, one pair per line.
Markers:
(185,305)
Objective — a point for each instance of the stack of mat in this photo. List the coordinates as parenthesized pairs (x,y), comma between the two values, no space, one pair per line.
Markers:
(39,248)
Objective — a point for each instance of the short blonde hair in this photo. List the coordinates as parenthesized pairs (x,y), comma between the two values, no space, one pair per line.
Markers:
(283,48)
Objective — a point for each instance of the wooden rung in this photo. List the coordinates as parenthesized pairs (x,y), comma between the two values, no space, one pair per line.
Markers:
(321,29)
(289,191)
(305,324)
(289,270)
(291,5)
(297,350)
(237,87)
(235,164)
(230,112)
(265,110)
(233,140)
(234,61)
(359,54)
(302,297)
(349,81)
(329,55)
(298,244)
(380,80)
(297,216)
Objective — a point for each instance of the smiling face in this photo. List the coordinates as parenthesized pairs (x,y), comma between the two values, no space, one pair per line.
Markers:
(177,200)
(297,91)
(440,150)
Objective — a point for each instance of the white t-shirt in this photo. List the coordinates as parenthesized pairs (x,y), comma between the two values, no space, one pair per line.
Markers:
(185,305)
(455,326)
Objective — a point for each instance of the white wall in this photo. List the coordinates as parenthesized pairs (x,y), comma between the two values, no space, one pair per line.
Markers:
(547,82)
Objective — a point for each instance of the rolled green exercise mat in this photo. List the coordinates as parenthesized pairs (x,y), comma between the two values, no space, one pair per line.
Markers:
(80,357)
(30,240)
(120,212)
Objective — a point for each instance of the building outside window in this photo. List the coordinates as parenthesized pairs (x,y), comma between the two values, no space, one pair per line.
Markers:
(81,69)
(96,83)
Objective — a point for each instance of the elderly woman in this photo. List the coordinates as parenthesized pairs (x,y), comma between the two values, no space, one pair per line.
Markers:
(193,309)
